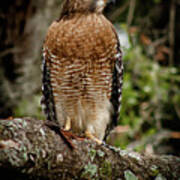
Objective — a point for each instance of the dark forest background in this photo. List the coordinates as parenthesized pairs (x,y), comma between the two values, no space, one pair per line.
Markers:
(150,39)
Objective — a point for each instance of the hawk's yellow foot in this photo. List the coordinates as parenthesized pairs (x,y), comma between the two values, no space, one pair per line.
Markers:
(92,137)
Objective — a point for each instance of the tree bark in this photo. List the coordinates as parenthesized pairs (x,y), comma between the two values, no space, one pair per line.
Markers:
(31,150)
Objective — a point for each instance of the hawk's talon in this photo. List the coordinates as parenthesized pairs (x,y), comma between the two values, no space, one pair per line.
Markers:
(71,135)
(55,127)
(92,137)
(67,124)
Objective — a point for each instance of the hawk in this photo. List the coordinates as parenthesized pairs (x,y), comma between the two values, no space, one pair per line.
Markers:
(82,70)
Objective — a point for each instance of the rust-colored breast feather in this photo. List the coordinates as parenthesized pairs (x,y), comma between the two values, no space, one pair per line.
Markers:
(80,53)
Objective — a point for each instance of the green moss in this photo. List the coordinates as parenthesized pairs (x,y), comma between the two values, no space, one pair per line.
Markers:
(106,169)
(90,170)
(100,153)
(123,153)
(25,157)
(92,154)
(9,123)
(129,175)
(154,170)
(160,177)
(135,156)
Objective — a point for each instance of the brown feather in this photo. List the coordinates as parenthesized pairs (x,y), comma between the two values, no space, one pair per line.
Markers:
(80,50)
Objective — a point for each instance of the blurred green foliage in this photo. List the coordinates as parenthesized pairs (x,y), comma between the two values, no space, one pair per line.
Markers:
(30,107)
(148,88)
(151,96)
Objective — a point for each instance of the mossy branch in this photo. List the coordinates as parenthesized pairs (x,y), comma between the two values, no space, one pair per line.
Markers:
(31,150)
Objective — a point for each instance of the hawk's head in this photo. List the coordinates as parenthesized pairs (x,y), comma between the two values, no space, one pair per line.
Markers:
(83,6)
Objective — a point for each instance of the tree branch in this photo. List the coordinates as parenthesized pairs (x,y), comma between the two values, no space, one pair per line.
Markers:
(30,150)
(131,12)
(116,13)
(172,31)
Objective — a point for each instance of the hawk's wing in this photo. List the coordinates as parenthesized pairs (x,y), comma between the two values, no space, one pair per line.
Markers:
(47,99)
(116,92)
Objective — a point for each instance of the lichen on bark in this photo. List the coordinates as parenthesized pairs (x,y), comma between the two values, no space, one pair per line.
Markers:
(30,150)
